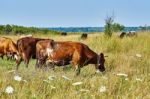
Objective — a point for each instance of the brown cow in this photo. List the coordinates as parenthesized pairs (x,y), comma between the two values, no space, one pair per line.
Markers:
(42,51)
(75,53)
(8,48)
(84,36)
(27,49)
(64,34)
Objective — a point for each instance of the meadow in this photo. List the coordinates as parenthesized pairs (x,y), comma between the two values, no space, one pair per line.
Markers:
(127,74)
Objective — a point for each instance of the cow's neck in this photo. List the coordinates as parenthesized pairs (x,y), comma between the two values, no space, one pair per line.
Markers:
(94,59)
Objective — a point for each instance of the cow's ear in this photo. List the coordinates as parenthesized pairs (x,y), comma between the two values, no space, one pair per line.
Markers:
(101,56)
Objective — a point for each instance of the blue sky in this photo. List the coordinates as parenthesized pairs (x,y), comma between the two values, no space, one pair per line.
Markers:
(73,13)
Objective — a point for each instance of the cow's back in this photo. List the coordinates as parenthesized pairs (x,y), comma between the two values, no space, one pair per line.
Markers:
(72,49)
(6,44)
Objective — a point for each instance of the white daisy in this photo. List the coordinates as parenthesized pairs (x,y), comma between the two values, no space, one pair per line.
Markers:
(53,87)
(11,71)
(138,55)
(102,89)
(77,83)
(46,81)
(9,90)
(122,74)
(51,77)
(25,81)
(84,90)
(66,78)
(126,79)
(138,79)
(17,78)
(104,77)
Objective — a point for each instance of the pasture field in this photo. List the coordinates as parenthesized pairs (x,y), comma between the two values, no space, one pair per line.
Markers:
(127,73)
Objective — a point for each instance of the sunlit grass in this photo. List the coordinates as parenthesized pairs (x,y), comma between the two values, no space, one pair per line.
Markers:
(121,59)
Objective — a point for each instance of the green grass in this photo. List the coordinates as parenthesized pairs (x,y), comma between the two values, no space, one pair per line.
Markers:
(121,59)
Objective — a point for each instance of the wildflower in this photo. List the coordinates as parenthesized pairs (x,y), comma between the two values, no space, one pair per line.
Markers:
(9,90)
(138,79)
(51,77)
(77,83)
(46,81)
(17,78)
(25,81)
(126,79)
(84,90)
(53,87)
(104,77)
(66,78)
(121,74)
(11,71)
(102,89)
(138,55)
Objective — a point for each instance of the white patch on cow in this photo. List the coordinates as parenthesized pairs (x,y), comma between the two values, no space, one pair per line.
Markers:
(16,57)
(49,51)
(97,71)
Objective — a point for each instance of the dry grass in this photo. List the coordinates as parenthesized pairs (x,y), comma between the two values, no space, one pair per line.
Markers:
(121,59)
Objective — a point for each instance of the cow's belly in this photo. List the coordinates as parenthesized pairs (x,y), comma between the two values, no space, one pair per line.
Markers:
(59,62)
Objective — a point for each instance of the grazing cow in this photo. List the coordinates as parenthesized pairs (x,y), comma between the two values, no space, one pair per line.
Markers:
(128,34)
(122,35)
(84,36)
(8,48)
(131,33)
(27,49)
(63,33)
(64,53)
(43,48)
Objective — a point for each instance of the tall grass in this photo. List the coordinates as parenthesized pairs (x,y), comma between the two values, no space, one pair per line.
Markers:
(121,59)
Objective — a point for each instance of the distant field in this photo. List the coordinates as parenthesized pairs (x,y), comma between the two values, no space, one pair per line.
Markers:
(127,73)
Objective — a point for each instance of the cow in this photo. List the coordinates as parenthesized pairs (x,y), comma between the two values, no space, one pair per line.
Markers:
(8,48)
(63,33)
(131,33)
(27,49)
(64,53)
(128,34)
(122,35)
(84,36)
(43,48)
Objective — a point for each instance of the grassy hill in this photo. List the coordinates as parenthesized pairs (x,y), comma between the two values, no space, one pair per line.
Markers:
(127,73)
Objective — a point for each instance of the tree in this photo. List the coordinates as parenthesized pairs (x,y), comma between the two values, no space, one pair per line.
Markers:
(108,28)
(8,28)
(2,28)
(117,27)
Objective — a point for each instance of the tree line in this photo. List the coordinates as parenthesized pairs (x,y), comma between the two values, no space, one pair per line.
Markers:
(15,29)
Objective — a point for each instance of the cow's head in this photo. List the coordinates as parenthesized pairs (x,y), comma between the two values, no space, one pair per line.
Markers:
(17,56)
(100,63)
(50,48)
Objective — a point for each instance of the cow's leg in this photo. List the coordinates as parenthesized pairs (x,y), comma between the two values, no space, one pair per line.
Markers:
(76,61)
(77,69)
(37,64)
(18,63)
(2,56)
(26,58)
(27,62)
